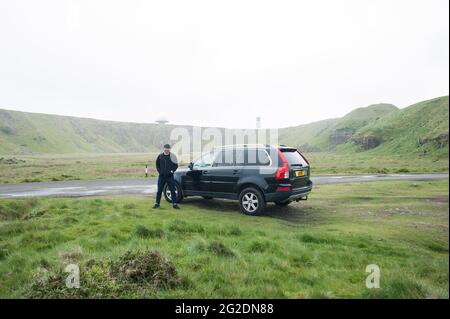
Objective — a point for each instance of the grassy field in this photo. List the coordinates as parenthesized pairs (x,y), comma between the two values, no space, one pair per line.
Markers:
(367,162)
(40,168)
(319,248)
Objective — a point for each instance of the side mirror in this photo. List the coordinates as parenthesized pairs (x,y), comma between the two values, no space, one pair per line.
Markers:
(191,166)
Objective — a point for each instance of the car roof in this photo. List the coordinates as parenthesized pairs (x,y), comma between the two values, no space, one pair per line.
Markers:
(281,147)
(239,146)
(256,146)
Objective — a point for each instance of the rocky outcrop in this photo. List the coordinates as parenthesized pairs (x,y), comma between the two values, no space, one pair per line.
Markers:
(368,142)
(439,141)
(341,136)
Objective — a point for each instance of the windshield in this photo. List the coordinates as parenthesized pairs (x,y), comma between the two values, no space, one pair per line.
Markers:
(205,160)
(294,158)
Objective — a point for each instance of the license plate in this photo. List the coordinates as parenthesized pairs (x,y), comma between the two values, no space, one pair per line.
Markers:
(299,173)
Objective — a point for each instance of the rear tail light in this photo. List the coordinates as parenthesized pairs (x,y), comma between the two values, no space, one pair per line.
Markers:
(283,171)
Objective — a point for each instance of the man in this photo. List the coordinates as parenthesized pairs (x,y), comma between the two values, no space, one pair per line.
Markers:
(166,165)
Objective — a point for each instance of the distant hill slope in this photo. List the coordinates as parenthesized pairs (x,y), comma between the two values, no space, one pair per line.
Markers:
(31,133)
(422,127)
(328,134)
(419,128)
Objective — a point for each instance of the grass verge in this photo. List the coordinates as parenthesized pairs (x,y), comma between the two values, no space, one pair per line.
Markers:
(315,249)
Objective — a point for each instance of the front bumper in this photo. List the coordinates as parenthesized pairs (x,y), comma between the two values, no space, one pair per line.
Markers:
(290,195)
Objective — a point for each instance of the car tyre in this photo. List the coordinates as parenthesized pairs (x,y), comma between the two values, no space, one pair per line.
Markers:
(168,195)
(251,201)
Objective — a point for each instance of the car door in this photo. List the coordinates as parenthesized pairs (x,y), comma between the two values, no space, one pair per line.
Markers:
(226,170)
(299,167)
(197,179)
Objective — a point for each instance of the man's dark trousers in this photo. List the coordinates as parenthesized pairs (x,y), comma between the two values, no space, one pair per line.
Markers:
(162,180)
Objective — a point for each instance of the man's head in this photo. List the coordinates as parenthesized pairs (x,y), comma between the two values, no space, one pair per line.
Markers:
(166,149)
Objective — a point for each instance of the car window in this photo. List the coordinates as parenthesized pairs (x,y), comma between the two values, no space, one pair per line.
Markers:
(263,157)
(294,158)
(257,157)
(206,160)
(218,158)
(229,157)
(240,157)
(224,158)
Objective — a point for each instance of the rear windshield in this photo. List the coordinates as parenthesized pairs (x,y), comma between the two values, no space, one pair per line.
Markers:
(294,158)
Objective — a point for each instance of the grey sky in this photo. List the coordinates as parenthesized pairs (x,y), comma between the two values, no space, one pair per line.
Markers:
(221,63)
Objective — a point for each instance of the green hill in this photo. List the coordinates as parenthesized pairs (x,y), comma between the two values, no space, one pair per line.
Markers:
(420,128)
(329,134)
(31,133)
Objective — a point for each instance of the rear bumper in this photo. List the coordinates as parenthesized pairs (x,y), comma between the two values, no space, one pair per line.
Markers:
(289,195)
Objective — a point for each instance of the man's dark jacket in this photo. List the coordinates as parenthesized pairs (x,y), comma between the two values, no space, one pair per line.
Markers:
(166,164)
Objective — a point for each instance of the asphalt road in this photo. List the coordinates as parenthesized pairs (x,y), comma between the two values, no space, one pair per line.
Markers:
(147,186)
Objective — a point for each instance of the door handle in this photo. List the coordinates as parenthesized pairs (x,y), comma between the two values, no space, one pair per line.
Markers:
(236,172)
(205,172)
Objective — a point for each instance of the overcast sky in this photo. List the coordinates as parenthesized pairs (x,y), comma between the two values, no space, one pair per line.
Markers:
(221,63)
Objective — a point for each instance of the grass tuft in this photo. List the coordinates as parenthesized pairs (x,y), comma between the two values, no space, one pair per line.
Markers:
(144,232)
(259,246)
(183,227)
(218,248)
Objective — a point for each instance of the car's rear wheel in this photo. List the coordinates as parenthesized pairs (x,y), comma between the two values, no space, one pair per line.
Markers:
(251,201)
(283,203)
(168,195)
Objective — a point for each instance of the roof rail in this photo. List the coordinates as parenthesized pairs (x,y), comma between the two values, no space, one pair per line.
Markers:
(242,145)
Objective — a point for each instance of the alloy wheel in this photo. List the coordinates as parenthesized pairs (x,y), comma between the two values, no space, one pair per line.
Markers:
(169,193)
(250,202)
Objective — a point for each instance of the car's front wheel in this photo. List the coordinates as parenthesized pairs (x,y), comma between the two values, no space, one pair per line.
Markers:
(168,194)
(251,201)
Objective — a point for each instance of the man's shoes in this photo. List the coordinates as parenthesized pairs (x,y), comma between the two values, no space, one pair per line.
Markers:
(176,207)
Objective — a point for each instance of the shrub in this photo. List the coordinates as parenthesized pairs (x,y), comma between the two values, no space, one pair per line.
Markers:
(135,274)
(150,267)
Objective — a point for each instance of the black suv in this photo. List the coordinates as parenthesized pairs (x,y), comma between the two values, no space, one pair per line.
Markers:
(252,174)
